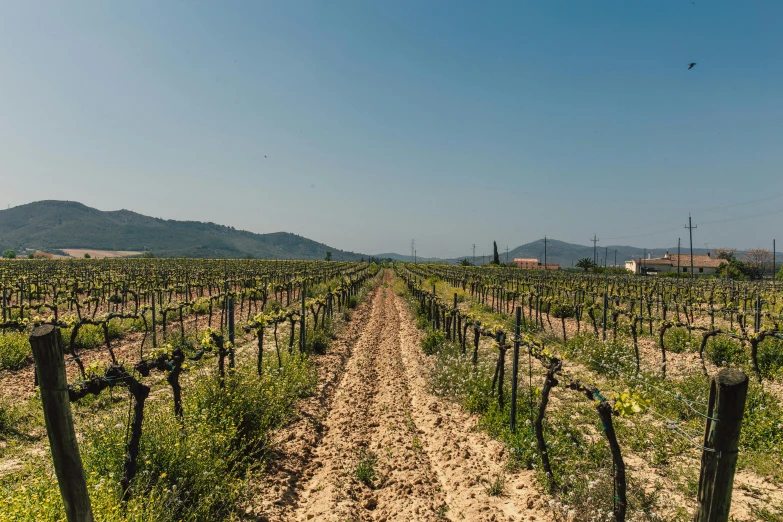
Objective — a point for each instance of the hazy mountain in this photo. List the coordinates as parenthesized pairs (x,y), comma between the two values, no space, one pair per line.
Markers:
(51,225)
(564,254)
(567,253)
(406,258)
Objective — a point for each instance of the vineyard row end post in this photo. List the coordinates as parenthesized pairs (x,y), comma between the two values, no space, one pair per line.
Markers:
(515,372)
(50,366)
(728,391)
(303,318)
(231,361)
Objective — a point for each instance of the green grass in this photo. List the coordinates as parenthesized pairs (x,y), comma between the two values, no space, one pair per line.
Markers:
(580,456)
(192,471)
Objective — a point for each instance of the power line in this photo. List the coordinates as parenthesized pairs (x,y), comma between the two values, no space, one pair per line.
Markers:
(712,209)
(740,204)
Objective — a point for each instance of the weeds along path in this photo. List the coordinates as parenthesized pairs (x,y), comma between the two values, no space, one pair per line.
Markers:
(391,451)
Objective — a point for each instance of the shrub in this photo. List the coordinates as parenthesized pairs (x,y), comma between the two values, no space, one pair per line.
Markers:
(602,357)
(14,350)
(353,302)
(201,305)
(318,340)
(678,340)
(761,427)
(563,311)
(9,414)
(433,342)
(722,350)
(770,358)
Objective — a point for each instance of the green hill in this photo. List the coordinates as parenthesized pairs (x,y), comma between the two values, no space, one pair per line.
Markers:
(53,225)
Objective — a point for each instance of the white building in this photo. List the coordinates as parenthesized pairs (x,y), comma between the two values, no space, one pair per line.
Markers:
(703,264)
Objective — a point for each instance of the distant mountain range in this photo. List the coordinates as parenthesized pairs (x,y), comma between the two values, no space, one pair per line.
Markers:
(566,254)
(52,226)
(408,259)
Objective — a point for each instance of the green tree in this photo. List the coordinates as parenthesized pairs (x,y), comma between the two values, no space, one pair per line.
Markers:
(585,264)
(328,256)
(9,254)
(465,262)
(779,277)
(495,256)
(737,270)
(87,256)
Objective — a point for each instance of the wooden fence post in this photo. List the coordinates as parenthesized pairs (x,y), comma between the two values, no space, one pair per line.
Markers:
(454,319)
(231,362)
(50,366)
(154,323)
(515,373)
(303,322)
(728,392)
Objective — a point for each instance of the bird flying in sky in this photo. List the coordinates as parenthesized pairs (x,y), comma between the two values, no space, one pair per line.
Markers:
(690,65)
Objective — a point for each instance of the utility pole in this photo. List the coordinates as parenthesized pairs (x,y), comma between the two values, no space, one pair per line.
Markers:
(606,256)
(595,240)
(545,241)
(414,257)
(413,247)
(615,257)
(474,254)
(774,254)
(643,270)
(690,226)
(678,257)
(506,254)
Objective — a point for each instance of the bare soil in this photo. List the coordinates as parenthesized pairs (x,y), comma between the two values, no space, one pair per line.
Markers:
(429,461)
(99,254)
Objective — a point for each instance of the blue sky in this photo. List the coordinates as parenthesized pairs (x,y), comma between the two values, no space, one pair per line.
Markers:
(364,124)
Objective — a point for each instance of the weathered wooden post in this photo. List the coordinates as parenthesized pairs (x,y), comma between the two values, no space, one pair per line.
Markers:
(303,321)
(515,373)
(231,362)
(50,366)
(154,324)
(728,392)
(476,339)
(454,319)
(757,318)
(606,305)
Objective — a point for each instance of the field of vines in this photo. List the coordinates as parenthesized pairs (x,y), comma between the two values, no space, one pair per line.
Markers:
(177,373)
(609,401)
(174,389)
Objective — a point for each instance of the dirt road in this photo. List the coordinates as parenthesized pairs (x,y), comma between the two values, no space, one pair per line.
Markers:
(389,450)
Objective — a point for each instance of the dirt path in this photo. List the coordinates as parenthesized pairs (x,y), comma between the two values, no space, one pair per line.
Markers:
(428,460)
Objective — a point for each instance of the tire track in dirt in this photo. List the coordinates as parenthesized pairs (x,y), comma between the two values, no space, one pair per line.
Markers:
(275,492)
(430,462)
(370,421)
(466,460)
